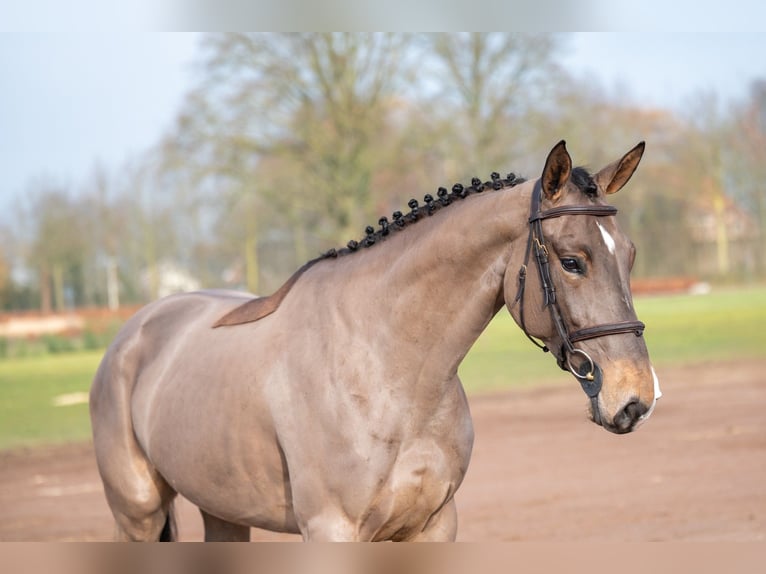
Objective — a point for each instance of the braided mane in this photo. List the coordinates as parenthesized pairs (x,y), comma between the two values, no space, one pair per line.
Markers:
(260,307)
(417,212)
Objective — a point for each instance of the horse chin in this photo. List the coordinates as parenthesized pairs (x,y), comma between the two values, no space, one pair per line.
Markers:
(595,413)
(615,429)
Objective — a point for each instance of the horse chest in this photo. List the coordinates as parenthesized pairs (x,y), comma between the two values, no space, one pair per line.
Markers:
(390,489)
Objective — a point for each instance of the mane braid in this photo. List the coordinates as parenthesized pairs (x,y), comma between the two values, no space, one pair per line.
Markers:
(418,211)
(260,307)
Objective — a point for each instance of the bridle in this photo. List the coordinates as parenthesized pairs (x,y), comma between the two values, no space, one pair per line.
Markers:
(588,373)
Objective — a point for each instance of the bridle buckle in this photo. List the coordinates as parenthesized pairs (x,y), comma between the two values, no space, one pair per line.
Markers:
(541,248)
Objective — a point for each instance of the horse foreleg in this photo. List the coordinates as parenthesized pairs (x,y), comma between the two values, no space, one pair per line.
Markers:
(441,527)
(332,526)
(218,530)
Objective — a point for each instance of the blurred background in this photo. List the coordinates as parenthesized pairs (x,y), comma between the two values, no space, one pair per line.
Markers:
(136,165)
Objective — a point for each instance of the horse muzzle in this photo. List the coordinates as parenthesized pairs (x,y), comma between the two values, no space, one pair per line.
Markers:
(630,416)
(626,420)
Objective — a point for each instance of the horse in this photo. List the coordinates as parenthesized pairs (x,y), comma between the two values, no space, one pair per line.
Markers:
(332,408)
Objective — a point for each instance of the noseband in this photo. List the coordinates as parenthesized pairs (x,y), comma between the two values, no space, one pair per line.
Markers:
(588,373)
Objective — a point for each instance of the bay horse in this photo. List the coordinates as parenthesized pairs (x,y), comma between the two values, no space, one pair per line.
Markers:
(332,408)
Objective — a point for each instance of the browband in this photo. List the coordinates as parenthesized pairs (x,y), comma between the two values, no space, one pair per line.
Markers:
(597,210)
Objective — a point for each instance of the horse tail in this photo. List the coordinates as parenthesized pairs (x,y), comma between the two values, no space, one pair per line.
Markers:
(170,530)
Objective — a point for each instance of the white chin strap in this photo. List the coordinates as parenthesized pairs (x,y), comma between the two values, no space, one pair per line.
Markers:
(657,395)
(657,391)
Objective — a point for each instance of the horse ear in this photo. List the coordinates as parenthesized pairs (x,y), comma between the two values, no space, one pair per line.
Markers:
(614,176)
(558,168)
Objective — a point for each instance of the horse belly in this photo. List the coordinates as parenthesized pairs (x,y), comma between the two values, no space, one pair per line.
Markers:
(235,474)
(212,439)
(248,492)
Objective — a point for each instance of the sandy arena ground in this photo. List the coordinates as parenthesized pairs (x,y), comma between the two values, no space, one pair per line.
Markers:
(540,471)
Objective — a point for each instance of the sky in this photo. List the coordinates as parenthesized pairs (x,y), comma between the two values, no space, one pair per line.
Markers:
(69,101)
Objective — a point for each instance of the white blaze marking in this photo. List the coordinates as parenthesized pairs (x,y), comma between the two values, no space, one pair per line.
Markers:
(608,239)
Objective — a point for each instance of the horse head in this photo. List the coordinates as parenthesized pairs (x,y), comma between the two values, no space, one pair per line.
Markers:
(578,301)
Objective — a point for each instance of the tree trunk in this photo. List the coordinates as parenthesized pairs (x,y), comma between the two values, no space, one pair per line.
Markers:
(58,287)
(722,235)
(45,290)
(112,284)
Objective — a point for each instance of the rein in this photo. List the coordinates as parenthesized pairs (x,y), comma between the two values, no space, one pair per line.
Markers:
(588,373)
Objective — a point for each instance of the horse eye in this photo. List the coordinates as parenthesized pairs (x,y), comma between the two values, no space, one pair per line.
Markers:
(571,265)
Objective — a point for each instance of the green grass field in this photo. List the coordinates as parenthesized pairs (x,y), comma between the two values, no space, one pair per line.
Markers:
(28,387)
(724,325)
(680,329)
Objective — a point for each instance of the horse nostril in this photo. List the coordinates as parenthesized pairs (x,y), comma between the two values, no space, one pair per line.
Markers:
(626,419)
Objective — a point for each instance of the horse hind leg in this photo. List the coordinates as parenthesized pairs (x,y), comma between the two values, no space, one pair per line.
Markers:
(140,499)
(141,503)
(218,530)
(138,496)
(170,529)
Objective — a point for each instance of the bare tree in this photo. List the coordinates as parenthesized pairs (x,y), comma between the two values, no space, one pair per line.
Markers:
(312,104)
(744,155)
(487,84)
(702,155)
(57,247)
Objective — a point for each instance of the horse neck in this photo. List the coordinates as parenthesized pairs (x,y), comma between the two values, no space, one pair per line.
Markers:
(431,289)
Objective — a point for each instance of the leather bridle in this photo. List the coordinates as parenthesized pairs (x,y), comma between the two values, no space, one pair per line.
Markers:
(588,373)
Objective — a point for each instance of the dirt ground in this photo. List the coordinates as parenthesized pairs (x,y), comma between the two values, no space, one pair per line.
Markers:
(540,471)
